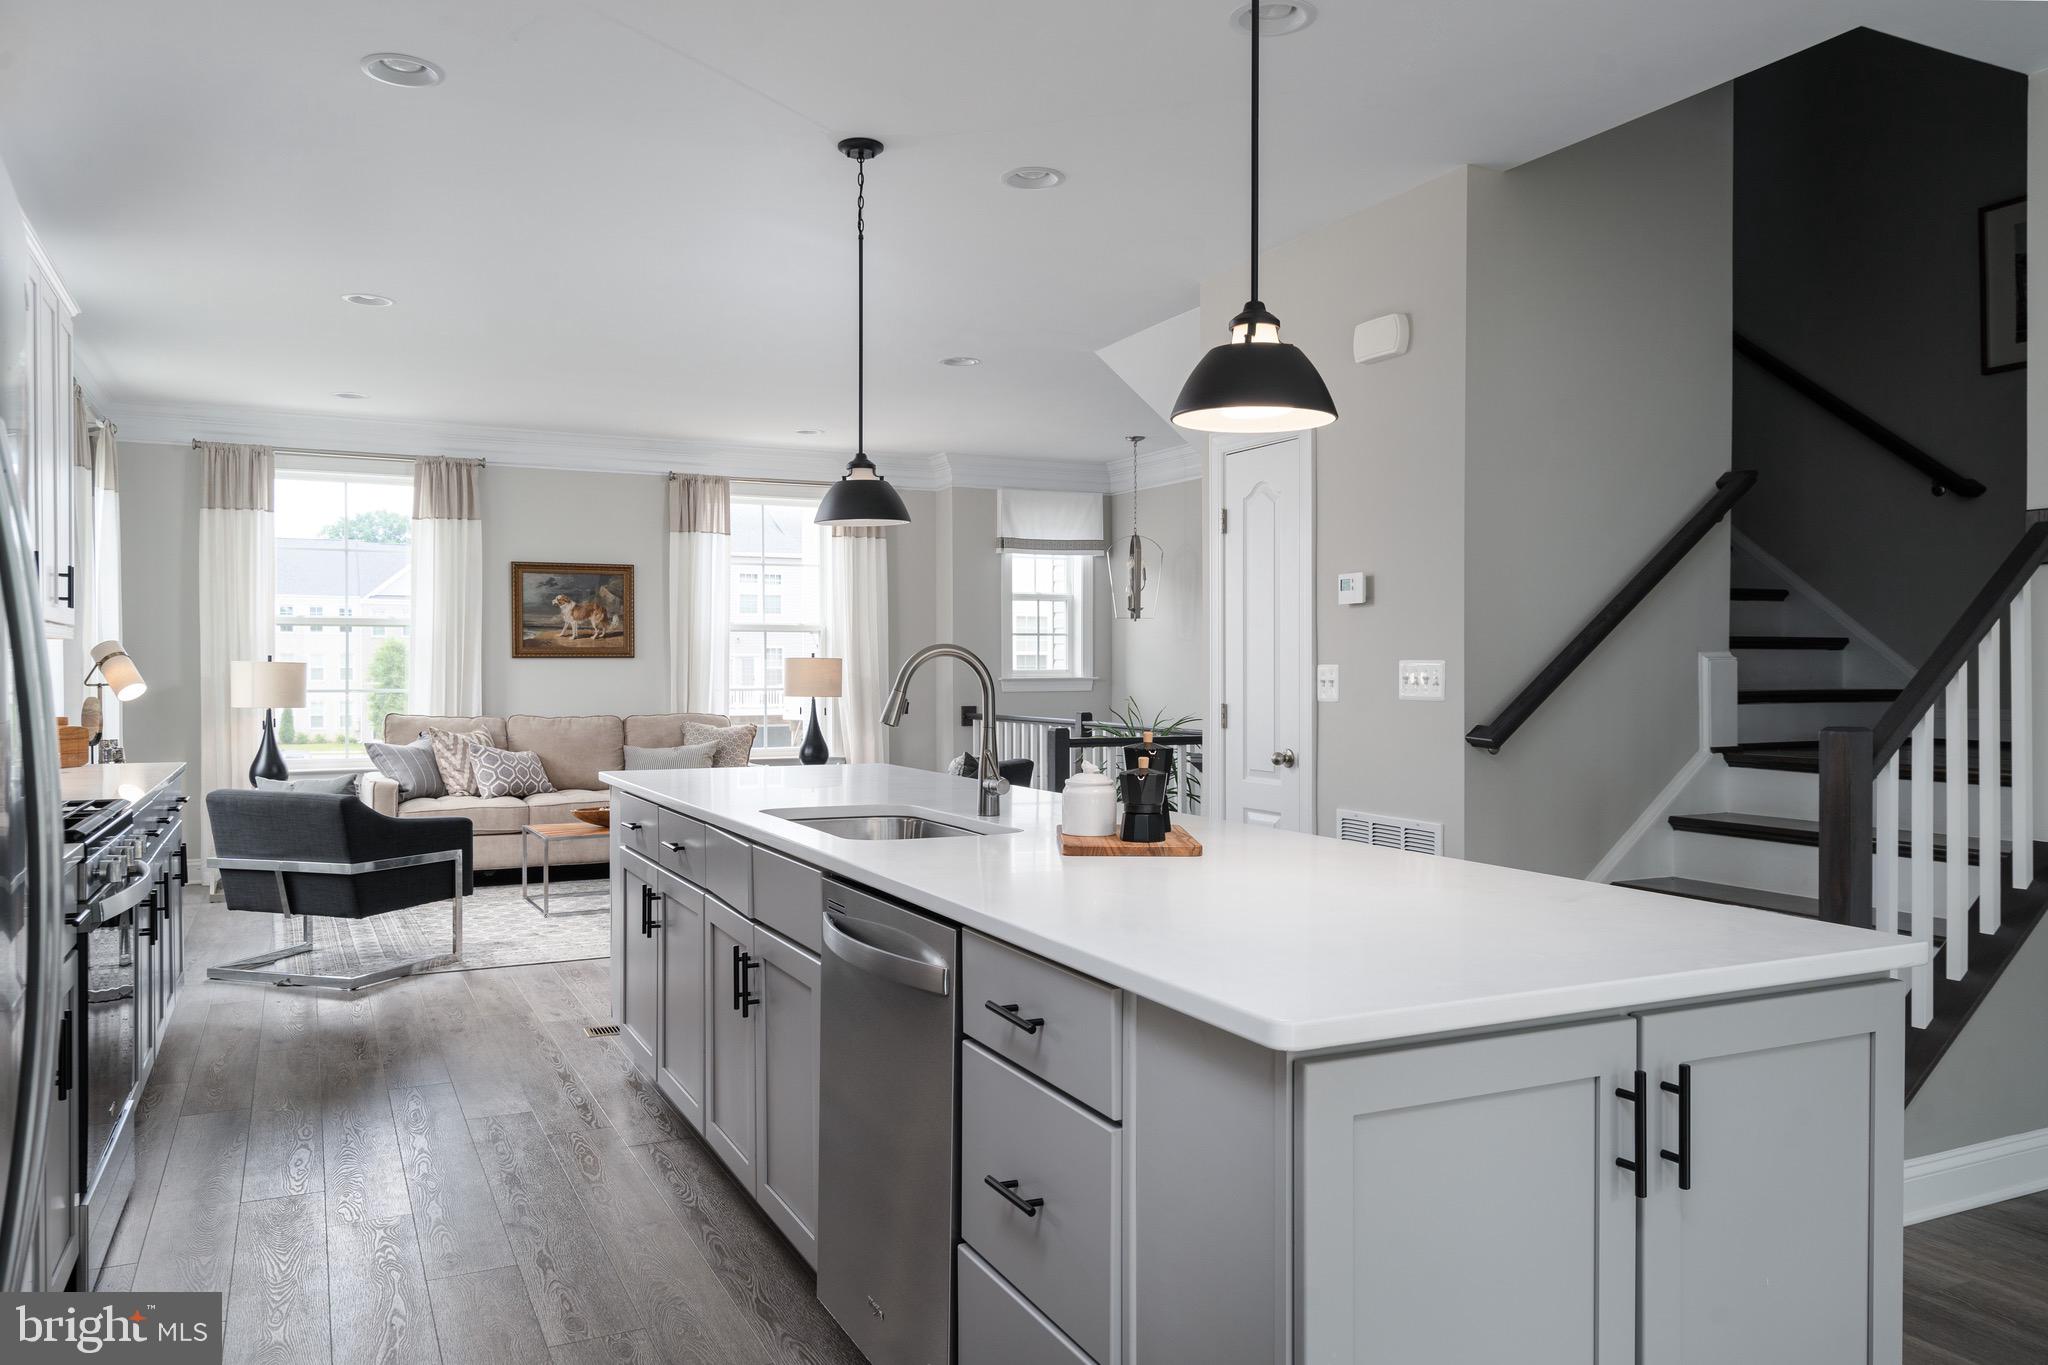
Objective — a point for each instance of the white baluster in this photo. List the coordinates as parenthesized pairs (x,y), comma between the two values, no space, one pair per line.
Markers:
(1956,730)
(1885,873)
(1990,866)
(2022,651)
(1923,865)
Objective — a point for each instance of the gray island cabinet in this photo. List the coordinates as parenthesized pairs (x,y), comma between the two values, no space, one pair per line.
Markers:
(1186,1133)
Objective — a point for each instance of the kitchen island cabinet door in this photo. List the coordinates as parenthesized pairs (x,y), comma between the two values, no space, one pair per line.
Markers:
(636,961)
(731,1012)
(679,1059)
(1460,1201)
(786,1088)
(1786,1249)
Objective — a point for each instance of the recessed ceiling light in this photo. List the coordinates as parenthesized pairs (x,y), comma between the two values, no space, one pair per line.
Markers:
(810,431)
(1033,178)
(1277,18)
(367,300)
(348,395)
(398,68)
(961,361)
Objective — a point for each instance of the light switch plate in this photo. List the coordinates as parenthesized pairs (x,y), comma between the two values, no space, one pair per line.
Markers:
(1326,682)
(1422,680)
(1354,589)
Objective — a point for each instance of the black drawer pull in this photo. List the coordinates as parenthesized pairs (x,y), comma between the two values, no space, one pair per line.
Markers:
(1683,1156)
(64,1057)
(629,824)
(648,923)
(70,577)
(1642,1127)
(743,962)
(184,864)
(671,845)
(1008,1190)
(1011,1014)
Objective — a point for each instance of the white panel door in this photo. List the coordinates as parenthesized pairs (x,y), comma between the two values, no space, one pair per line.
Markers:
(1267,624)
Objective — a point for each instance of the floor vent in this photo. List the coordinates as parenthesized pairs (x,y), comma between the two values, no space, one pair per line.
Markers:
(600,1030)
(1388,831)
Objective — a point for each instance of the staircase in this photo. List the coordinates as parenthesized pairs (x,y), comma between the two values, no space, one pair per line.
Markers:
(1830,732)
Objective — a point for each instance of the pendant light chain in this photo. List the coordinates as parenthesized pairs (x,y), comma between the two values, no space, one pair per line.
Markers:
(1134,483)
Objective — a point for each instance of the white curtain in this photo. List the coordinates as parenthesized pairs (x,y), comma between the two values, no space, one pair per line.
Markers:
(857,632)
(447,589)
(699,590)
(100,607)
(237,597)
(1050,523)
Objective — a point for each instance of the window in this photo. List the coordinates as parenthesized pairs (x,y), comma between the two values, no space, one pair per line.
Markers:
(1048,604)
(778,611)
(344,550)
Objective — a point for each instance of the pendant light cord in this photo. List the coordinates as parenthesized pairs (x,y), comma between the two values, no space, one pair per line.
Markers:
(860,294)
(1255,21)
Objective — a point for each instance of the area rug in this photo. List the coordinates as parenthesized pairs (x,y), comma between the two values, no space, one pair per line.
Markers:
(499,929)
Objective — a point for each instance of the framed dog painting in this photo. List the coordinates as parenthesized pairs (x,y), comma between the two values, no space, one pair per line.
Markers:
(572,611)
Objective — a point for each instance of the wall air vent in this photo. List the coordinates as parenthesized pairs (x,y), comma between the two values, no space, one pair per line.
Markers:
(1388,831)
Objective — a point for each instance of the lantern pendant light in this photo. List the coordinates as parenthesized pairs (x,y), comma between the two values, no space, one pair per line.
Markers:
(1255,382)
(1134,552)
(862,497)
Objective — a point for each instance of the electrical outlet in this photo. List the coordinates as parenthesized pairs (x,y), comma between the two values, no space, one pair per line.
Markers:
(1326,682)
(1422,680)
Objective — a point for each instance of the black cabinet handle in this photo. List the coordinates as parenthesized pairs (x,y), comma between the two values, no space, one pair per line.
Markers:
(743,962)
(648,923)
(69,574)
(629,824)
(1010,1014)
(1642,1126)
(64,1057)
(1008,1190)
(671,845)
(184,865)
(1683,1156)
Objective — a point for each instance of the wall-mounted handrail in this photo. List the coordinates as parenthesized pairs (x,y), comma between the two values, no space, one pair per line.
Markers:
(1946,479)
(1728,490)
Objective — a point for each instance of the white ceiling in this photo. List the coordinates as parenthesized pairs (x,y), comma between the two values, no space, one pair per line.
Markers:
(627,217)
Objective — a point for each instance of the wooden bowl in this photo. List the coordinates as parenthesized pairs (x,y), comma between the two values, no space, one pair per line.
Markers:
(601,816)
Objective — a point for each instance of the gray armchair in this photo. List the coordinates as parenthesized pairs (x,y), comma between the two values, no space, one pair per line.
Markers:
(309,853)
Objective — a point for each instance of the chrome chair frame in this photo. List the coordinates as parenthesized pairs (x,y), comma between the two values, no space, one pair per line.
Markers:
(251,968)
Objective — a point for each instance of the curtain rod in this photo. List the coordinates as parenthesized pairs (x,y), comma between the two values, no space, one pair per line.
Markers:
(356,454)
(749,478)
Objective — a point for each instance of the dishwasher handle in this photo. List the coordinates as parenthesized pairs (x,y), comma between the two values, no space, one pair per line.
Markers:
(869,946)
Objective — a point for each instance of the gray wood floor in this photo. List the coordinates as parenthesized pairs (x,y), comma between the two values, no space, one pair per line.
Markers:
(1977,1286)
(446,1169)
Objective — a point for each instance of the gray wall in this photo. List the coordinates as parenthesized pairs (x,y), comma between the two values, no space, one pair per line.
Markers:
(1390,490)
(1597,419)
(1162,659)
(1988,1085)
(914,578)
(160,491)
(1860,167)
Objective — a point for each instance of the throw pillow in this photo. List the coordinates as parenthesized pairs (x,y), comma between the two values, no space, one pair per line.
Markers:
(336,784)
(732,746)
(411,766)
(504,772)
(451,757)
(680,756)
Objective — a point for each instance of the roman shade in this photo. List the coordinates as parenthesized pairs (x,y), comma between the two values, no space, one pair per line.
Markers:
(1049,523)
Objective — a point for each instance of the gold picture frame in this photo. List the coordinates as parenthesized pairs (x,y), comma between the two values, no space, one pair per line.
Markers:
(572,611)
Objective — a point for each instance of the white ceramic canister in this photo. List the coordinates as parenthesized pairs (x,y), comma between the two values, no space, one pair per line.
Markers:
(1088,805)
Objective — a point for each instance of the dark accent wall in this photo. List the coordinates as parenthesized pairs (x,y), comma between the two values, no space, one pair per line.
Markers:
(1860,165)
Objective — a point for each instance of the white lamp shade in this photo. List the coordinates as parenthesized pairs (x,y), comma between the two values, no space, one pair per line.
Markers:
(266,684)
(811,677)
(118,671)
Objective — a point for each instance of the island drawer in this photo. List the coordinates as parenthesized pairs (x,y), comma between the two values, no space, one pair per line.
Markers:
(637,823)
(1056,1024)
(1054,1232)
(998,1326)
(728,869)
(789,898)
(681,847)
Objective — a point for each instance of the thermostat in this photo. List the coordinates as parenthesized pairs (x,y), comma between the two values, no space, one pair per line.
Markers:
(1354,589)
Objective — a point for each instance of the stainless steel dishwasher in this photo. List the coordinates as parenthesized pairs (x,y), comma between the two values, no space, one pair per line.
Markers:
(887,1215)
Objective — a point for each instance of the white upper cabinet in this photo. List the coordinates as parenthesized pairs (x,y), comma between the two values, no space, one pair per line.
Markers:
(47,460)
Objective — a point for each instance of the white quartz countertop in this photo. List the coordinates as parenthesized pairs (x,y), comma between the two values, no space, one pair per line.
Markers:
(1292,941)
(128,782)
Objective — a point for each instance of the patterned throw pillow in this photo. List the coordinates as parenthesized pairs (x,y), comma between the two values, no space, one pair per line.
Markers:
(411,766)
(505,772)
(735,745)
(451,756)
(680,756)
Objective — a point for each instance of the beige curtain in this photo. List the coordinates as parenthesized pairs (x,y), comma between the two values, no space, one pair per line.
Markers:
(237,611)
(447,588)
(856,591)
(699,590)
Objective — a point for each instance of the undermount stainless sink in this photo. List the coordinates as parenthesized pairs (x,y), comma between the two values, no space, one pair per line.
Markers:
(884,827)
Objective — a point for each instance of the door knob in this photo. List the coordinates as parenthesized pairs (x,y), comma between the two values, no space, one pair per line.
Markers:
(1283,758)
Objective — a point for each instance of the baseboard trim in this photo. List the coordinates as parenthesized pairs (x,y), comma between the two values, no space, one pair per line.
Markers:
(1942,1183)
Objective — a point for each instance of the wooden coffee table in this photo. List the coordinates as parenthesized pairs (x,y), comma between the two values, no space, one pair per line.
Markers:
(548,834)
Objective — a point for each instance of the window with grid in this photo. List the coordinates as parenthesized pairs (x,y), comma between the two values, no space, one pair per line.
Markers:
(777,560)
(1046,603)
(344,557)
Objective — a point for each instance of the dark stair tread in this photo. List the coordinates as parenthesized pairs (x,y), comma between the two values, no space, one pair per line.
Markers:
(1803,756)
(1758,594)
(1788,642)
(1783,829)
(1749,696)
(1956,1001)
(1720,893)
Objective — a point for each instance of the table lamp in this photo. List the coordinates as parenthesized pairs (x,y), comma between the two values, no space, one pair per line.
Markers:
(111,667)
(814,678)
(273,686)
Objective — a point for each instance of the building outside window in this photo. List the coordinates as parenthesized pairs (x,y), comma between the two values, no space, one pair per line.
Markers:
(777,611)
(1047,606)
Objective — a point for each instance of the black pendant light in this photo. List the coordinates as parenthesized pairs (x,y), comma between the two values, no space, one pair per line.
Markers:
(862,497)
(1255,382)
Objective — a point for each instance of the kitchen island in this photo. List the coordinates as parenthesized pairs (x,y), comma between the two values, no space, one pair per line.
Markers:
(1296,1099)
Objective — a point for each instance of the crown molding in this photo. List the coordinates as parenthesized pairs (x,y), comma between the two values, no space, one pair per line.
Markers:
(529,448)
(1156,468)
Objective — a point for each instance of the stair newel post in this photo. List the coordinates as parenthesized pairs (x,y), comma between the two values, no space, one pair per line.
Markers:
(1846,826)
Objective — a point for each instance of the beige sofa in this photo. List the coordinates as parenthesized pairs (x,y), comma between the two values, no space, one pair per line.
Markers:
(573,749)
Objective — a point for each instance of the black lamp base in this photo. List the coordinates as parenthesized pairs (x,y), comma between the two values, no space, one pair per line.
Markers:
(269,762)
(813,750)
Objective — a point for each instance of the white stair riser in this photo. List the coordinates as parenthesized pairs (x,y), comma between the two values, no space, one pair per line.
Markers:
(1772,791)
(1790,868)
(1759,723)
(1789,667)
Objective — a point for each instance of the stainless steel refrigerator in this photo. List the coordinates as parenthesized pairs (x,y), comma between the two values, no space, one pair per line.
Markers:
(31,906)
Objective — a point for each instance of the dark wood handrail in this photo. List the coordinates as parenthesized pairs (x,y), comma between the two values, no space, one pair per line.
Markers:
(1728,490)
(1946,479)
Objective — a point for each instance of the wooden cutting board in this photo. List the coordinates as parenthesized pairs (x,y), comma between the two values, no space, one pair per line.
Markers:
(1177,844)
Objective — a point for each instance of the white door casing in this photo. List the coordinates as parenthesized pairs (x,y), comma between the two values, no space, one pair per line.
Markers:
(1262,630)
